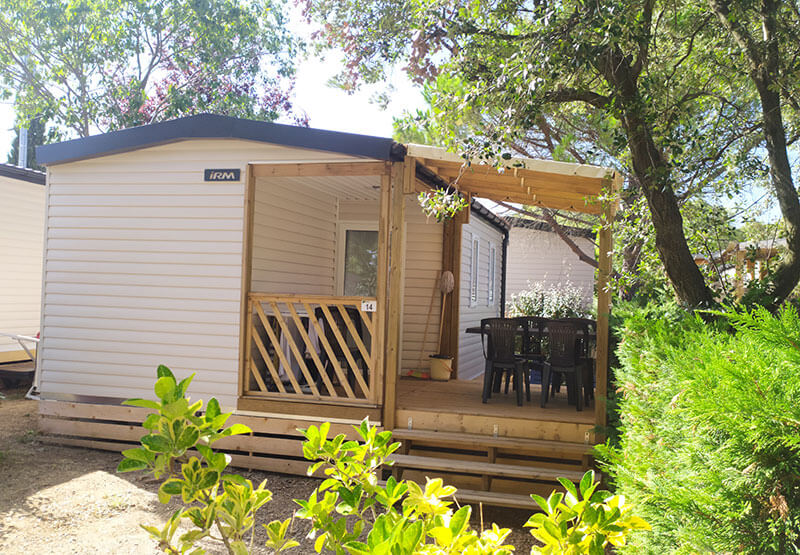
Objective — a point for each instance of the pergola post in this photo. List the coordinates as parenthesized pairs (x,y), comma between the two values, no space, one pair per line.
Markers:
(604,264)
(393,204)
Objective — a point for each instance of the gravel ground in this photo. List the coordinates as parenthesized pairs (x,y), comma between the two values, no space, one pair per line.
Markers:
(70,500)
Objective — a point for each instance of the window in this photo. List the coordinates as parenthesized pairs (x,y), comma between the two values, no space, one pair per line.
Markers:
(357,260)
(491,278)
(473,272)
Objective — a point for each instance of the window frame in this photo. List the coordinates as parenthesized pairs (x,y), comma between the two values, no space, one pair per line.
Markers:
(491,278)
(342,228)
(474,269)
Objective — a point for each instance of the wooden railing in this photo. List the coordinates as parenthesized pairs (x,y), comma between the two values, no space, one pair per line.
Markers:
(312,348)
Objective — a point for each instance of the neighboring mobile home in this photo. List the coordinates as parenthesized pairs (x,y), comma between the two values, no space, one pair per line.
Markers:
(22,215)
(292,270)
(537,254)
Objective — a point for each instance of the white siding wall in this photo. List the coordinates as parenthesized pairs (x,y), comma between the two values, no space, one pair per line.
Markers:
(143,267)
(21,239)
(423,263)
(294,238)
(535,255)
(422,298)
(470,353)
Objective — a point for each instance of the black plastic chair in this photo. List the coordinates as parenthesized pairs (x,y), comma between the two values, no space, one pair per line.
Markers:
(498,350)
(531,350)
(584,347)
(338,351)
(564,358)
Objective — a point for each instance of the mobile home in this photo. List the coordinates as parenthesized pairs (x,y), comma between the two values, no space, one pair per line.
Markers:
(292,271)
(22,196)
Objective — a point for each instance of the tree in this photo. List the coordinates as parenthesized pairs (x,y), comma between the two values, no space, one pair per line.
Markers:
(38,135)
(649,74)
(767,37)
(105,64)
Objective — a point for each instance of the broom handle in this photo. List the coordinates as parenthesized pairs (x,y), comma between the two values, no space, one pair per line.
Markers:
(441,321)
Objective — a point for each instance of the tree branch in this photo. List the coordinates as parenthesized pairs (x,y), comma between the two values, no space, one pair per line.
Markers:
(548,217)
(565,95)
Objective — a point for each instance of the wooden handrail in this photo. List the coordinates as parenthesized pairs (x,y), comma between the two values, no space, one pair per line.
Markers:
(340,366)
(316,299)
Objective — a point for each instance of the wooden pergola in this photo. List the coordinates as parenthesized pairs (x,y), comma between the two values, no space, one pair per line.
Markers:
(548,184)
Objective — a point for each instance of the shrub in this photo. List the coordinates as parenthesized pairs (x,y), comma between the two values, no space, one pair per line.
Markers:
(350,511)
(563,300)
(710,436)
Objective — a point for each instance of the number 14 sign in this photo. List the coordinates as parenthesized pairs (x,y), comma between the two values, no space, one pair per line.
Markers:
(369,306)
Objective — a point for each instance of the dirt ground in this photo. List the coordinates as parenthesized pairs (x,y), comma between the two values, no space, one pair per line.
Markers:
(70,500)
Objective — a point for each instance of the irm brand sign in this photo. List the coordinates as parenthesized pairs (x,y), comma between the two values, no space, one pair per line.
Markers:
(233,174)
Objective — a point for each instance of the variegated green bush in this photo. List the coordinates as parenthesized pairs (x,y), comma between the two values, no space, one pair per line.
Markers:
(351,511)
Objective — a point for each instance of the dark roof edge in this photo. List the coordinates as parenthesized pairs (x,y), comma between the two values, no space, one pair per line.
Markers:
(526,223)
(489,217)
(212,126)
(23,174)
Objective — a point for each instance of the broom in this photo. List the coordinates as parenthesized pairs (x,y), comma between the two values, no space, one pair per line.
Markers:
(446,285)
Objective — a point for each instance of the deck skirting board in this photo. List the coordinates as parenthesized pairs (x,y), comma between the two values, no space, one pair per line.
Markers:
(275,445)
(572,432)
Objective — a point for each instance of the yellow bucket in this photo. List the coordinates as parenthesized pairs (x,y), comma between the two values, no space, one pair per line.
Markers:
(441,367)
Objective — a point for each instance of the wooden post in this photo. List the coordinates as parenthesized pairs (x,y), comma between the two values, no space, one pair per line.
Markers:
(394,313)
(604,263)
(739,276)
(451,261)
(381,291)
(247,271)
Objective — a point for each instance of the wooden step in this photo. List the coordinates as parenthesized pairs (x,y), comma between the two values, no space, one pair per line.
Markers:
(481,468)
(556,449)
(491,498)
(494,499)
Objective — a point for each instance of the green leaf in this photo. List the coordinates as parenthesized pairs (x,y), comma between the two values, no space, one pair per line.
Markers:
(188,438)
(569,485)
(157,443)
(212,409)
(144,403)
(163,498)
(442,535)
(131,465)
(210,477)
(172,487)
(165,389)
(460,520)
(162,372)
(237,429)
(586,482)
(138,454)
(412,536)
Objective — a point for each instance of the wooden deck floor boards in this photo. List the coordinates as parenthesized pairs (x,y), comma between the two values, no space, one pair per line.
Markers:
(464,397)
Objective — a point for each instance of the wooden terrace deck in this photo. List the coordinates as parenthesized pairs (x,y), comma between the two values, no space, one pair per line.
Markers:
(456,406)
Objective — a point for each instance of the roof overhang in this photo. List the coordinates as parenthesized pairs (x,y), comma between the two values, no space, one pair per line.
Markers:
(558,185)
(22,174)
(211,126)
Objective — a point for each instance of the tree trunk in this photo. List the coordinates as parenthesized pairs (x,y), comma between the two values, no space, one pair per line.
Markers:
(651,169)
(764,59)
(780,174)
(653,174)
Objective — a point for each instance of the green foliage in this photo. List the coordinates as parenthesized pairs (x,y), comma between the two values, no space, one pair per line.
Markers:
(107,64)
(563,300)
(710,436)
(584,520)
(402,517)
(662,91)
(350,511)
(442,204)
(215,501)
